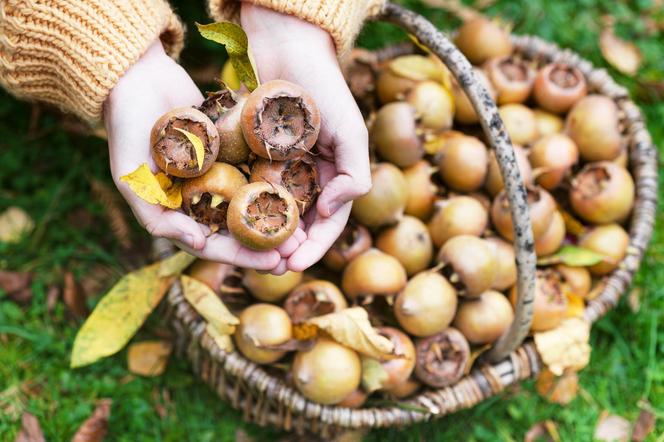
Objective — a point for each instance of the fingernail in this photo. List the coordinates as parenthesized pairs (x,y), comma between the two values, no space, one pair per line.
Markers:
(190,241)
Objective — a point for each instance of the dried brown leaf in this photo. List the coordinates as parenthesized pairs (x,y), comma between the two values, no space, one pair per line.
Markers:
(622,55)
(97,280)
(243,436)
(17,286)
(634,299)
(612,428)
(14,224)
(30,430)
(558,389)
(148,358)
(644,425)
(114,212)
(565,347)
(52,297)
(546,429)
(73,297)
(94,429)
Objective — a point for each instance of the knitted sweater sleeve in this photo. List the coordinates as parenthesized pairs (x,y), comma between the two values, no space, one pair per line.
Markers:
(70,53)
(342,19)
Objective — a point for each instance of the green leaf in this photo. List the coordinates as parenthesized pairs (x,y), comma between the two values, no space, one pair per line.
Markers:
(236,43)
(573,256)
(198,146)
(373,375)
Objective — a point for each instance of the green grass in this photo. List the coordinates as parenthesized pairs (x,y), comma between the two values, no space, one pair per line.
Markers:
(47,174)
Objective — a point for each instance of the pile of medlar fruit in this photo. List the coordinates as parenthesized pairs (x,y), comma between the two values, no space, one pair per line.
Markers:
(428,251)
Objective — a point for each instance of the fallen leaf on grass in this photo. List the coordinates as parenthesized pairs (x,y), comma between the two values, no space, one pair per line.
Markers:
(124,309)
(14,224)
(16,285)
(612,428)
(155,189)
(73,297)
(565,347)
(94,429)
(622,55)
(546,430)
(644,425)
(558,389)
(30,430)
(52,297)
(148,358)
(206,302)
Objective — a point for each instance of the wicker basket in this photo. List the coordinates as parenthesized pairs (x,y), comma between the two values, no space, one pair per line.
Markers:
(267,399)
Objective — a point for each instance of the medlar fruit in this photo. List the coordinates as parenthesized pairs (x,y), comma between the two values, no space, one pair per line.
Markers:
(395,136)
(433,104)
(494,180)
(594,126)
(609,240)
(484,319)
(386,201)
(550,302)
(262,326)
(459,215)
(481,39)
(520,123)
(577,278)
(270,288)
(398,369)
(421,190)
(465,112)
(442,358)
(470,264)
(354,240)
(299,177)
(373,273)
(506,270)
(409,242)
(512,78)
(602,193)
(548,123)
(462,163)
(314,298)
(233,147)
(551,240)
(541,203)
(554,155)
(558,86)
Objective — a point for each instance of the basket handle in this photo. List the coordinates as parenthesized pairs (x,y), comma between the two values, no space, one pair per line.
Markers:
(493,127)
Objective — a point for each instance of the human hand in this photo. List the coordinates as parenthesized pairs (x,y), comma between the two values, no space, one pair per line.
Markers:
(291,49)
(150,88)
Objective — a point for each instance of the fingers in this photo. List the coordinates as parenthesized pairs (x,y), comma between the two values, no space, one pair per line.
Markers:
(320,237)
(221,248)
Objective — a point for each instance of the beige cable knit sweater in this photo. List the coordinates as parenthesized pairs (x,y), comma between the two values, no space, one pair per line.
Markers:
(70,53)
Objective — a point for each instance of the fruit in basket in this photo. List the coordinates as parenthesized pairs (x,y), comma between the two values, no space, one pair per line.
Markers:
(327,373)
(426,305)
(210,273)
(373,273)
(593,124)
(554,155)
(481,39)
(354,240)
(386,201)
(270,288)
(233,147)
(469,264)
(459,215)
(421,190)
(395,135)
(602,193)
(399,369)
(433,104)
(464,110)
(280,121)
(558,86)
(541,203)
(392,87)
(314,298)
(206,198)
(578,279)
(263,326)
(548,123)
(262,216)
(355,399)
(299,177)
(360,73)
(484,319)
(172,150)
(519,122)
(442,358)
(550,300)
(551,240)
(405,389)
(409,242)
(609,240)
(506,264)
(494,180)
(512,78)
(463,163)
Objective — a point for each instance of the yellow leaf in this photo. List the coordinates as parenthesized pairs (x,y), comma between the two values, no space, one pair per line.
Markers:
(575,305)
(304,332)
(208,305)
(572,225)
(558,389)
(224,342)
(14,224)
(198,146)
(351,327)
(437,143)
(155,189)
(417,68)
(235,40)
(565,347)
(148,358)
(124,309)
(622,55)
(229,76)
(374,375)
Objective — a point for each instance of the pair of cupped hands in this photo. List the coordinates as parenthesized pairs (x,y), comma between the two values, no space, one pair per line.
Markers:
(284,47)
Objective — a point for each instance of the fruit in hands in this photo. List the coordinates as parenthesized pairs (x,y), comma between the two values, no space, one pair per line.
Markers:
(512,78)
(578,279)
(299,177)
(554,155)
(354,240)
(469,264)
(420,189)
(314,298)
(433,104)
(602,193)
(541,203)
(327,373)
(210,273)
(280,121)
(520,123)
(553,238)
(506,264)
(373,273)
(483,320)
(442,358)
(494,180)
(426,305)
(233,147)
(609,240)
(462,163)
(481,39)
(465,112)
(262,216)
(262,326)
(218,103)
(386,201)
(548,123)
(206,198)
(409,242)
(394,134)
(459,215)
(398,369)
(270,288)
(594,126)
(172,151)
(558,86)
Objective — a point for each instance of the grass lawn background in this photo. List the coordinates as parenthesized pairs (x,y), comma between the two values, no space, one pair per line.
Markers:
(46,171)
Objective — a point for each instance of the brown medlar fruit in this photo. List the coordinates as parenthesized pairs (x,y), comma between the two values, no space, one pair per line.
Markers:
(481,39)
(433,104)
(548,123)
(465,112)
(442,358)
(354,240)
(593,125)
(520,123)
(314,298)
(233,147)
(554,155)
(210,273)
(550,301)
(459,215)
(463,163)
(483,320)
(261,326)
(395,136)
(541,203)
(421,190)
(578,279)
(299,177)
(386,201)
(469,264)
(405,389)
(270,288)
(506,260)
(512,78)
(551,240)
(373,273)
(398,369)
(409,242)
(609,240)
(558,86)
(218,103)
